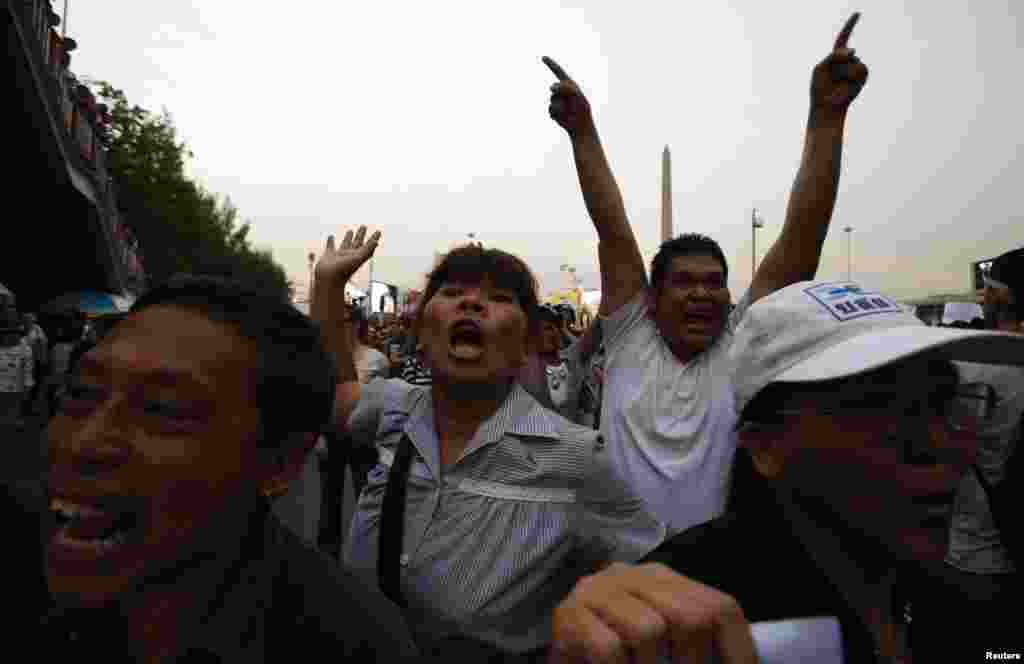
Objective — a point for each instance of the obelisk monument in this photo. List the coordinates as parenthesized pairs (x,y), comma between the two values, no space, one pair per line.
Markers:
(666,195)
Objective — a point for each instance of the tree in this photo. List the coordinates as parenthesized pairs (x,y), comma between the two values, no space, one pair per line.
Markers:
(180,226)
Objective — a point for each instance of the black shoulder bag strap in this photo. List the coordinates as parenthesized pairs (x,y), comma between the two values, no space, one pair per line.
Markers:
(392,524)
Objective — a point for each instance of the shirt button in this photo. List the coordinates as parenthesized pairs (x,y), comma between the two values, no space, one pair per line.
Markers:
(600,442)
(404,560)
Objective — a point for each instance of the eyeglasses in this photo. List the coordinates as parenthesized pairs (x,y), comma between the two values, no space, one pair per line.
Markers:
(968,409)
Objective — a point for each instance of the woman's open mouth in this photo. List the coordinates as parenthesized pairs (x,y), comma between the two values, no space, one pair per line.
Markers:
(466,341)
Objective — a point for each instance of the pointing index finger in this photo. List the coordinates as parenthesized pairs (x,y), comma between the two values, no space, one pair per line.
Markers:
(844,34)
(556,69)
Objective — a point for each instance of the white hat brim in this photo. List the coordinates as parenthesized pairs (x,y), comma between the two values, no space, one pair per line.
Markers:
(876,349)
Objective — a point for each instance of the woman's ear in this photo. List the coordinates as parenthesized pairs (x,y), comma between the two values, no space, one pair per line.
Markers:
(767,449)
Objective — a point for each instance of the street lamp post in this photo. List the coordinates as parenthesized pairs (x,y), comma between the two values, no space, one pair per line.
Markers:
(755,223)
(849,252)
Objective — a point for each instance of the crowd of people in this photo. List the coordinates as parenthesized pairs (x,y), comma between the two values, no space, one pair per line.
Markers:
(37,354)
(648,488)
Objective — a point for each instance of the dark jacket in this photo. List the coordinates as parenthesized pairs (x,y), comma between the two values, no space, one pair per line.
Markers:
(767,571)
(752,554)
(275,599)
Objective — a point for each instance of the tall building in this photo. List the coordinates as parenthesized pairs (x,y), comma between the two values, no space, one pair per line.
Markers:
(666,195)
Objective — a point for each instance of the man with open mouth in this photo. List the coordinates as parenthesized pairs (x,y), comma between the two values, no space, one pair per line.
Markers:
(856,428)
(178,430)
(668,412)
(152,538)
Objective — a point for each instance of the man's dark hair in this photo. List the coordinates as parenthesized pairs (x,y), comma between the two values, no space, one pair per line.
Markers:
(688,244)
(295,377)
(548,314)
(1009,269)
(471,264)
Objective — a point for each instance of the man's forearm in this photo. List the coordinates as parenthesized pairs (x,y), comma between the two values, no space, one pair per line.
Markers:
(795,255)
(813,196)
(622,267)
(331,313)
(600,190)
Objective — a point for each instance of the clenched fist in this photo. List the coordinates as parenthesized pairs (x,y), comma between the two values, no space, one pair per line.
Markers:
(569,108)
(838,79)
(647,614)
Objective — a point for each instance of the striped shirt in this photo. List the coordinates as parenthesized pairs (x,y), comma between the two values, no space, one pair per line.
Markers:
(16,367)
(414,373)
(495,542)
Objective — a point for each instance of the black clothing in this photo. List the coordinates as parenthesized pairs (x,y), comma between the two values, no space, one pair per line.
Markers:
(767,571)
(753,554)
(272,598)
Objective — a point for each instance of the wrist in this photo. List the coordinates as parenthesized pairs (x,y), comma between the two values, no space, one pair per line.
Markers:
(822,118)
(587,131)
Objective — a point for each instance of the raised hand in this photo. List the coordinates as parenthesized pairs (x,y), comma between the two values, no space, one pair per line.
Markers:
(336,266)
(838,79)
(569,108)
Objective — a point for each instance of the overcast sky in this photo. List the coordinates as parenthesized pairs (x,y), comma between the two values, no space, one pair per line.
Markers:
(429,121)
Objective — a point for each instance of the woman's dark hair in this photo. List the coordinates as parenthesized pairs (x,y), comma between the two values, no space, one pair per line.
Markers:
(471,264)
(689,244)
(295,377)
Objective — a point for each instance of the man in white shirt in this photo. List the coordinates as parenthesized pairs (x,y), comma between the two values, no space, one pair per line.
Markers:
(978,552)
(668,414)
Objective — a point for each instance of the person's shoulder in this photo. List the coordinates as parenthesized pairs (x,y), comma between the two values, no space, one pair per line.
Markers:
(549,421)
(389,391)
(324,602)
(699,546)
(715,553)
(630,321)
(996,374)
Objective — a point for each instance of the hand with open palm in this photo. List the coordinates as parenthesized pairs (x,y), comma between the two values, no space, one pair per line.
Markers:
(337,265)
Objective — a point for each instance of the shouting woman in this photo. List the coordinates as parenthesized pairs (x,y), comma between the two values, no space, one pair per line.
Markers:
(486,507)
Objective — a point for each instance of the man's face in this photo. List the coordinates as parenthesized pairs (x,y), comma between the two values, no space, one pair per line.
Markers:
(474,333)
(692,302)
(886,466)
(153,451)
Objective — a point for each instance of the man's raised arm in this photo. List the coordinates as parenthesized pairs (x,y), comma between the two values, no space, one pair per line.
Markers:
(622,267)
(836,82)
(330,311)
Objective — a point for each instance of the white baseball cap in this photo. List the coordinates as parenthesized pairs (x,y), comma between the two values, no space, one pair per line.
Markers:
(820,330)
